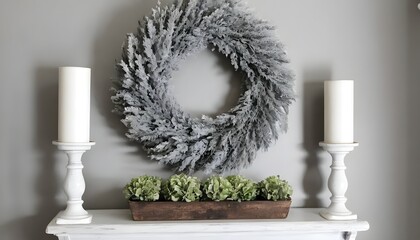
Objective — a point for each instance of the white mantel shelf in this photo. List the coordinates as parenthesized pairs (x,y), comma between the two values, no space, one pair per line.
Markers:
(301,224)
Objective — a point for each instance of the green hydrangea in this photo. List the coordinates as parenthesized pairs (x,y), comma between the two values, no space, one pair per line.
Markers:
(143,188)
(273,188)
(182,188)
(217,188)
(243,189)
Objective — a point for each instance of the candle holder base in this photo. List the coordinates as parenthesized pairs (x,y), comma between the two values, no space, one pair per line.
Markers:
(337,215)
(337,182)
(63,219)
(74,184)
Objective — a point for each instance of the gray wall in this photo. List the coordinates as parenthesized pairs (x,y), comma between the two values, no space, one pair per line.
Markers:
(414,120)
(369,41)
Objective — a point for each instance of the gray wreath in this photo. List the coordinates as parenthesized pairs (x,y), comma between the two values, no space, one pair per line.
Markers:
(153,117)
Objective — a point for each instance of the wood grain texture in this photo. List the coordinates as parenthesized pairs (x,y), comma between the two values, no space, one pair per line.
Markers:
(154,211)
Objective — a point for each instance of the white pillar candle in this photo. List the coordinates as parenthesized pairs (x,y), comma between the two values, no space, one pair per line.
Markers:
(338,111)
(73,104)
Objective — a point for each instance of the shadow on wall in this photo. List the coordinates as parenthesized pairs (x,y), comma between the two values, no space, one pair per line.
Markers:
(413,177)
(46,180)
(107,52)
(313,126)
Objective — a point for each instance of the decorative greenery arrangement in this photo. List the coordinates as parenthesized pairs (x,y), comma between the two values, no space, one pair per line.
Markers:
(243,189)
(273,188)
(216,188)
(153,117)
(143,188)
(182,188)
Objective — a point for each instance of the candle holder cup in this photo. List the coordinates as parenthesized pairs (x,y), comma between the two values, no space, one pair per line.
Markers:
(74,184)
(337,182)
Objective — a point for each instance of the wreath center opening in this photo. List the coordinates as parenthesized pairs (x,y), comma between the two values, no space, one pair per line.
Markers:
(206,84)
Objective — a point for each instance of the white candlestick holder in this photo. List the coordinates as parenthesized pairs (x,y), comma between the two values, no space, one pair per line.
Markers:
(74,184)
(337,182)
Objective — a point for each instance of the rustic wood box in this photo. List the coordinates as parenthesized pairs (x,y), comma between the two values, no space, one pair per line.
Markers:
(167,210)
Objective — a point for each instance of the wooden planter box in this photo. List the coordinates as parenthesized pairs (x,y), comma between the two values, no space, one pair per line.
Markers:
(167,210)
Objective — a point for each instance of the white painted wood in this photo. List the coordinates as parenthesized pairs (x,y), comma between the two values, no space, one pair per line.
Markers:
(302,223)
(337,182)
(207,236)
(74,184)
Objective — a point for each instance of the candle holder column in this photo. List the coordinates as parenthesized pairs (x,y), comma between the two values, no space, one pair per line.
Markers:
(337,182)
(74,184)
